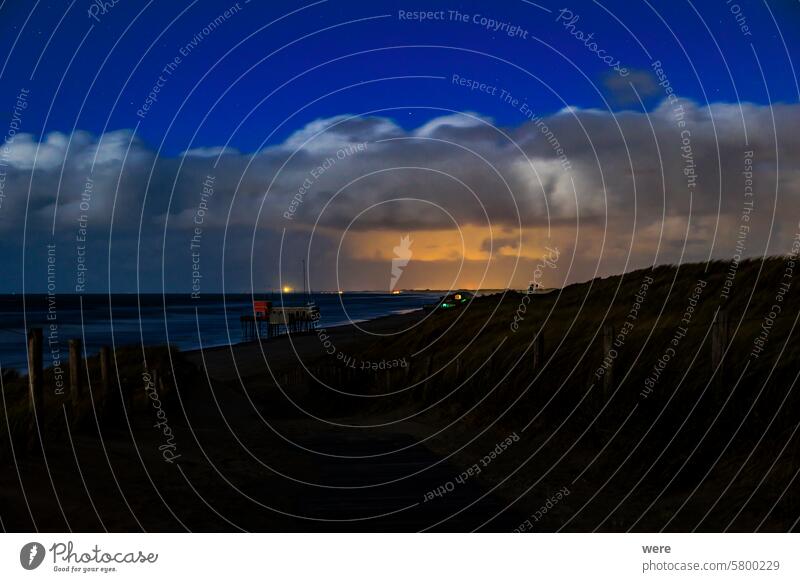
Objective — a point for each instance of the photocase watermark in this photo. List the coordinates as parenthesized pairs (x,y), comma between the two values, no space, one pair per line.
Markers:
(489,24)
(53,338)
(169,69)
(549,504)
(95,559)
(354,363)
(402,256)
(520,105)
(760,343)
(627,327)
(568,20)
(14,126)
(680,332)
(317,172)
(375,366)
(326,341)
(687,153)
(83,561)
(197,234)
(739,17)
(679,116)
(168,448)
(474,470)
(549,261)
(84,206)
(31,555)
(100,8)
(474,85)
(544,129)
(744,226)
(486,22)
(664,82)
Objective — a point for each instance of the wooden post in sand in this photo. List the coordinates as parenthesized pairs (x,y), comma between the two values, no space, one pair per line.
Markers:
(35,380)
(720,337)
(538,351)
(608,348)
(105,374)
(75,386)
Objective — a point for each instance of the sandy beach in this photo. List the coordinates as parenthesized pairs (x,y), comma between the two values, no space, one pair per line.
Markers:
(251,359)
(477,432)
(235,432)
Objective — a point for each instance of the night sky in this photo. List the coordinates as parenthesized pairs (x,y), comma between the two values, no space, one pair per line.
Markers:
(150,141)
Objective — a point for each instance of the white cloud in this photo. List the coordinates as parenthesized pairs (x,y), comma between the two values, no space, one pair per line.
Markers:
(210,152)
(324,136)
(467,119)
(627,172)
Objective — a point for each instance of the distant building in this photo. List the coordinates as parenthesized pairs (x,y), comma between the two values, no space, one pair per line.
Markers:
(535,288)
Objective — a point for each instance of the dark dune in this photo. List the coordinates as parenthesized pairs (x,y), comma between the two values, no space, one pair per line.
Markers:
(269,444)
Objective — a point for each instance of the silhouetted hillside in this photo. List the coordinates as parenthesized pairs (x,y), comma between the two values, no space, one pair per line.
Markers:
(668,428)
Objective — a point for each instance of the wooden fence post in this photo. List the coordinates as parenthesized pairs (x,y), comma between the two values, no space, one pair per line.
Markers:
(35,380)
(75,386)
(719,338)
(719,343)
(538,351)
(105,374)
(608,347)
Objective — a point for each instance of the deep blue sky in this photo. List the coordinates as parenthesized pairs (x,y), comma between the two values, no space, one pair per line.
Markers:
(111,51)
(237,87)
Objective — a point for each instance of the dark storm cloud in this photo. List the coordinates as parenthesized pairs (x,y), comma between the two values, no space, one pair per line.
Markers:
(628,90)
(615,179)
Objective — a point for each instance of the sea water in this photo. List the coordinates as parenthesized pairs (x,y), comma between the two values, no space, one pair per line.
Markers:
(155,319)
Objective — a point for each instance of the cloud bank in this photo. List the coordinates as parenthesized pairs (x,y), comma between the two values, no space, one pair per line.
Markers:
(613,191)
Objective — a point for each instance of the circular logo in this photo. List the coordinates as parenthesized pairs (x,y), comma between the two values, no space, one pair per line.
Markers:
(31,555)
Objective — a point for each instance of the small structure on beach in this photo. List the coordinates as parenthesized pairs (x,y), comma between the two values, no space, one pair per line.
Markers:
(269,321)
(451,301)
(535,288)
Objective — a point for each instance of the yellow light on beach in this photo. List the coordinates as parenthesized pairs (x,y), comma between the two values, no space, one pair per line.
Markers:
(287,289)
(395,292)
